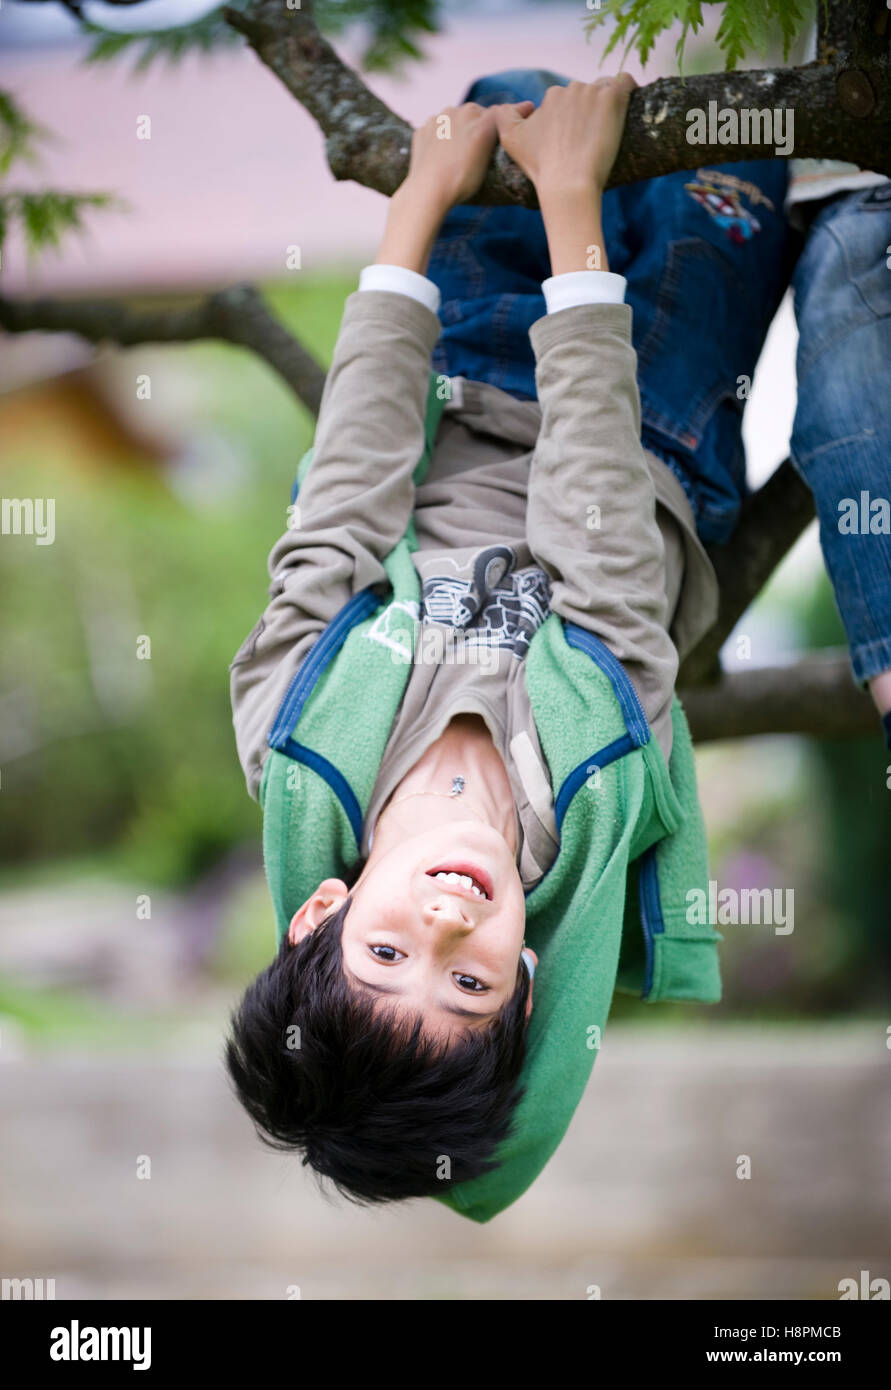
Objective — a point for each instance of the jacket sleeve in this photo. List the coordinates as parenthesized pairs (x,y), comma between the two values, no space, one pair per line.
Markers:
(353,506)
(592,507)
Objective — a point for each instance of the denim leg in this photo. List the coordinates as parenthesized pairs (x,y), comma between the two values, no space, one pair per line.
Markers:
(514,84)
(841,438)
(707,255)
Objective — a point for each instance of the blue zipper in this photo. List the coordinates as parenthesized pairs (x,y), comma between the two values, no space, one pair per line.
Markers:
(650,911)
(355,611)
(632,710)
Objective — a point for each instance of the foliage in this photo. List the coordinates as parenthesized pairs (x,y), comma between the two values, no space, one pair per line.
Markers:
(18,134)
(46,215)
(747,26)
(393,28)
(146,46)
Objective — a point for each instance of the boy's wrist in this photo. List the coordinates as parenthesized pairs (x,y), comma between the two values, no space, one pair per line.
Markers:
(577,195)
(426,197)
(572,219)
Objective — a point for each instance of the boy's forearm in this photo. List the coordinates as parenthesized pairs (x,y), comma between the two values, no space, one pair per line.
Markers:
(414,218)
(574,228)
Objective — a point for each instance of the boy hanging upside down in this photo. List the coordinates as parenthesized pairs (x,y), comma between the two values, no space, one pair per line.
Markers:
(458,709)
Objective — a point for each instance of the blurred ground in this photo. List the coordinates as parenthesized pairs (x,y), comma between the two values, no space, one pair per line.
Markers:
(642,1199)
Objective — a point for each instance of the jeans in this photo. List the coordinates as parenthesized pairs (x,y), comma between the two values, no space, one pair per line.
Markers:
(841,438)
(707,256)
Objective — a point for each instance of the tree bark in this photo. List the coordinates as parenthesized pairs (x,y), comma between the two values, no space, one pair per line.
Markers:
(816,695)
(235,315)
(842,110)
(770,523)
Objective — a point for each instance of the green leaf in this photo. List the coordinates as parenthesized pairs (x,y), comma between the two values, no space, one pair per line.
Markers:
(47,216)
(747,27)
(393,27)
(18,134)
(735,37)
(148,46)
(791,19)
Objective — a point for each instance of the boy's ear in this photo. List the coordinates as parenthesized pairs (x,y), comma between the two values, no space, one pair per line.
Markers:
(329,897)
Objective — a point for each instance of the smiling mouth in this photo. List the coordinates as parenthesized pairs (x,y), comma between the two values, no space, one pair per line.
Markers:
(468,879)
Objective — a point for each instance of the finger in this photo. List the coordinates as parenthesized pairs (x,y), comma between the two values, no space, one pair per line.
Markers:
(507,118)
(622,82)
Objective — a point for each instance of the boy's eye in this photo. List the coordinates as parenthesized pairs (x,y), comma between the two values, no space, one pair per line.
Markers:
(387,953)
(472,983)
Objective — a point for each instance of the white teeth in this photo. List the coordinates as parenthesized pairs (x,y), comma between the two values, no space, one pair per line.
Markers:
(463,881)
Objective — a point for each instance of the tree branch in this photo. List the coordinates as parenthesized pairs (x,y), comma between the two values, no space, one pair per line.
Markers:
(237,315)
(852,32)
(840,112)
(816,695)
(771,520)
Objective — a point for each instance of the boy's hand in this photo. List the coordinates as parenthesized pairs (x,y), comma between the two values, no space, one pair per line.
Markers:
(451,151)
(449,156)
(570,142)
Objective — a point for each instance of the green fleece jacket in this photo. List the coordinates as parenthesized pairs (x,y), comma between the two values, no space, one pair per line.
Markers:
(611,913)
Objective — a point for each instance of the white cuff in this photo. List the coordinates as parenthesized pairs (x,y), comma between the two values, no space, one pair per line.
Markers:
(583,287)
(398,279)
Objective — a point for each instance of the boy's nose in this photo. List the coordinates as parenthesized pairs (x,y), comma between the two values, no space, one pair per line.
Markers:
(449,910)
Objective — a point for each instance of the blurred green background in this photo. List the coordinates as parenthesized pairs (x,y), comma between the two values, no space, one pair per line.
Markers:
(118,769)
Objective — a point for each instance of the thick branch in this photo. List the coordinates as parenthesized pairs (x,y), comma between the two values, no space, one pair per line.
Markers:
(770,523)
(840,111)
(851,32)
(237,315)
(365,140)
(816,696)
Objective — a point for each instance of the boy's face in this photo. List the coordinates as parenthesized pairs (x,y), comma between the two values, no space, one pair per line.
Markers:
(425,943)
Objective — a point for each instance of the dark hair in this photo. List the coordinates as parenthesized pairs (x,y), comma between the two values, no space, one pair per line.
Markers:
(373,1105)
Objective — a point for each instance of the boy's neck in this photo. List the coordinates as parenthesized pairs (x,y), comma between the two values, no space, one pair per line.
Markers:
(461,776)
